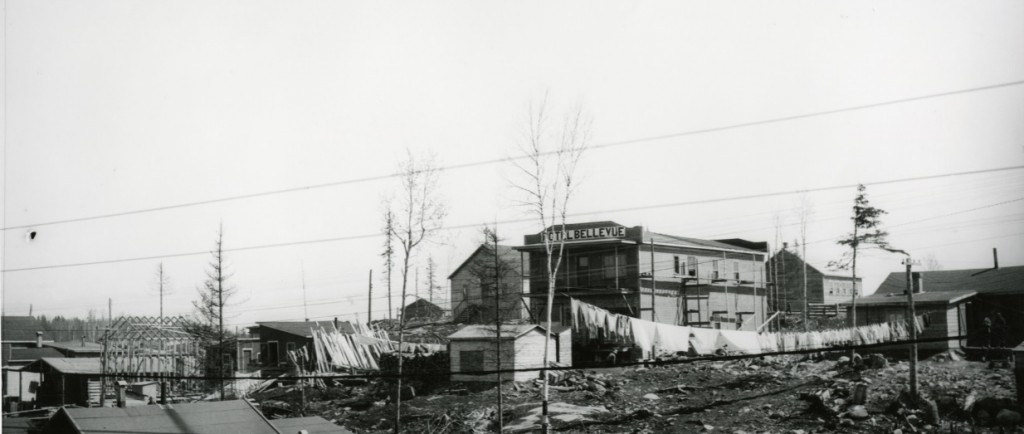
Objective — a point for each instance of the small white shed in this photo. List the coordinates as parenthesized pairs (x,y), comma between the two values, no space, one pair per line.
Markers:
(522,346)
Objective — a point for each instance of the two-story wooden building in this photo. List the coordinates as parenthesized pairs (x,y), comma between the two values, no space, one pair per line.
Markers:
(823,289)
(473,286)
(644,274)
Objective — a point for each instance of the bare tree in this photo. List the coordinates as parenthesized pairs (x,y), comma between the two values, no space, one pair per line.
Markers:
(419,213)
(804,210)
(214,296)
(389,250)
(550,158)
(163,283)
(931,263)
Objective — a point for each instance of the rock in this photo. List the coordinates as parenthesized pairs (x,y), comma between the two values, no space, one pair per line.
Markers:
(860,394)
(897,431)
(857,412)
(843,360)
(596,388)
(651,397)
(1007,417)
(877,361)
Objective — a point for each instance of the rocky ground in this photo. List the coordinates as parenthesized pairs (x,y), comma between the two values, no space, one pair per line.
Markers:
(776,395)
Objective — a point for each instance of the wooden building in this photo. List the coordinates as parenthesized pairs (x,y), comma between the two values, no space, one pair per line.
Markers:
(982,304)
(277,338)
(643,274)
(67,380)
(422,310)
(474,348)
(473,286)
(825,291)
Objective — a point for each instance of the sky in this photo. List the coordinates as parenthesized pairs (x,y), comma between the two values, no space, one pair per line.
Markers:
(133,130)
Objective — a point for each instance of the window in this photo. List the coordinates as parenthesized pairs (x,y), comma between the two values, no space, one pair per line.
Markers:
(736,270)
(675,264)
(691,266)
(290,346)
(714,269)
(609,267)
(470,361)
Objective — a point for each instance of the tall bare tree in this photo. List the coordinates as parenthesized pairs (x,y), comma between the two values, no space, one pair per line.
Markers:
(214,296)
(163,287)
(419,212)
(804,210)
(551,155)
(389,251)
(867,233)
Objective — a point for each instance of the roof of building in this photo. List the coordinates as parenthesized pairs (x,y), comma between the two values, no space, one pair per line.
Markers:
(27,354)
(225,417)
(507,254)
(304,328)
(66,365)
(919,298)
(22,329)
(508,331)
(311,424)
(698,243)
(18,425)
(795,257)
(1004,280)
(75,346)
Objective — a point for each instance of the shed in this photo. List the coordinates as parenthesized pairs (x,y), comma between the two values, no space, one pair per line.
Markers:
(473,349)
(277,338)
(67,380)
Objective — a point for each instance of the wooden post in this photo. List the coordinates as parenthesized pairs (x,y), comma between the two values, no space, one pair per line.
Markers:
(913,331)
(369,300)
(497,323)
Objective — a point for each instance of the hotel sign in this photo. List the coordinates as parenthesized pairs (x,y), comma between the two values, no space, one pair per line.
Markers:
(585,234)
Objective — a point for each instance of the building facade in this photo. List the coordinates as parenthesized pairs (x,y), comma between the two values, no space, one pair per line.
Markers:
(787,268)
(649,275)
(473,286)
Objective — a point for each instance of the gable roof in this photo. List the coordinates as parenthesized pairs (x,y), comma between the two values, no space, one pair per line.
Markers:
(227,417)
(304,328)
(65,365)
(507,254)
(790,256)
(22,329)
(27,354)
(1005,280)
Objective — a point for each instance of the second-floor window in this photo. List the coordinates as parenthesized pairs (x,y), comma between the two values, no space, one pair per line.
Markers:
(691,266)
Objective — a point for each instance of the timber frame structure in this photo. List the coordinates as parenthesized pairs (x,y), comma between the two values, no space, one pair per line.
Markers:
(140,346)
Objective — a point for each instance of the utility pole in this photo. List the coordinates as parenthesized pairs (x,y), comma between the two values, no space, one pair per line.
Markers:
(497,323)
(110,311)
(369,300)
(913,328)
(806,305)
(654,283)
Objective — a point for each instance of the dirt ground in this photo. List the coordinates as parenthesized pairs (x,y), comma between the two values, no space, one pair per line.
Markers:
(797,395)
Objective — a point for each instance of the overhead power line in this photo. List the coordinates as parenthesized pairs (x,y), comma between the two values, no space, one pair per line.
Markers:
(509,159)
(521,220)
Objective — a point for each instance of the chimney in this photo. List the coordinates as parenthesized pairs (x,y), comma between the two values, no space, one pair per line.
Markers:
(918,280)
(39,339)
(995,258)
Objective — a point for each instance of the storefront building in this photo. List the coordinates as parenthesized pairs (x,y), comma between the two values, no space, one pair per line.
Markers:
(649,275)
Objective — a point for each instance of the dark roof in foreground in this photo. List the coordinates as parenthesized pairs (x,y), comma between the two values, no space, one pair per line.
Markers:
(312,425)
(223,417)
(304,328)
(1005,280)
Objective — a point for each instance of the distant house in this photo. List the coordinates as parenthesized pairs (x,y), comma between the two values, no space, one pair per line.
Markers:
(277,338)
(472,286)
(473,349)
(21,346)
(822,288)
(422,310)
(248,351)
(67,380)
(223,417)
(954,303)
